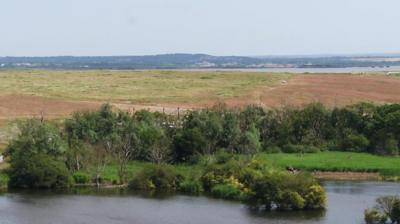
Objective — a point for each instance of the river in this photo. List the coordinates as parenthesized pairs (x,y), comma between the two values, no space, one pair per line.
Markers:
(346,203)
(304,70)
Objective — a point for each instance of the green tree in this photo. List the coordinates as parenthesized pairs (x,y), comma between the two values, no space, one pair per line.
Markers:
(127,144)
(98,130)
(37,157)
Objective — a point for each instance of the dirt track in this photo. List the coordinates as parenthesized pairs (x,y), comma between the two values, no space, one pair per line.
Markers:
(332,90)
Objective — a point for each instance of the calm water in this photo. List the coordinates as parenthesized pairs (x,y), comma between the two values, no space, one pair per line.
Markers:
(309,70)
(347,200)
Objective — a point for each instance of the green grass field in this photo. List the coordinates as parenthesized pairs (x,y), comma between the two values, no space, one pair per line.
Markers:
(134,86)
(336,161)
(324,161)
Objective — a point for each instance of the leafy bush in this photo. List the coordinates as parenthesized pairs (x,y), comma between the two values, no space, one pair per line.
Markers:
(249,141)
(38,171)
(273,149)
(226,191)
(3,181)
(156,177)
(315,197)
(287,192)
(395,213)
(387,209)
(191,186)
(188,144)
(264,192)
(222,157)
(36,157)
(373,216)
(215,174)
(290,200)
(353,142)
(81,178)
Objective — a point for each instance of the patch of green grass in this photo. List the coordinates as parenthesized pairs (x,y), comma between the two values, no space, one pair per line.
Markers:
(151,86)
(336,161)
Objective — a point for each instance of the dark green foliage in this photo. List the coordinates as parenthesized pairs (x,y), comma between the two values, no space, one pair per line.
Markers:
(36,157)
(156,177)
(287,192)
(4,179)
(38,171)
(386,210)
(353,142)
(98,138)
(395,213)
(249,180)
(81,178)
(249,141)
(373,216)
(188,144)
(290,148)
(222,157)
(273,149)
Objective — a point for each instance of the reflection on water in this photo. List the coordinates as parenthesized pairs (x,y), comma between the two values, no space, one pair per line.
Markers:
(346,202)
(288,216)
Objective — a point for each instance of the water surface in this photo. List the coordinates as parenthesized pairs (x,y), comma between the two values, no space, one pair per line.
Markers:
(347,201)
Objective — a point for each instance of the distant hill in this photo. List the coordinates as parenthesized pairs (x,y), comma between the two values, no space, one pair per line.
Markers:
(196,61)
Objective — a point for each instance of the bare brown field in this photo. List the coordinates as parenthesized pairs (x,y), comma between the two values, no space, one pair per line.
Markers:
(285,90)
(16,106)
(333,90)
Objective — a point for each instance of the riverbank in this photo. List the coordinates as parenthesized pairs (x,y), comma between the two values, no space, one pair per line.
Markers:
(346,176)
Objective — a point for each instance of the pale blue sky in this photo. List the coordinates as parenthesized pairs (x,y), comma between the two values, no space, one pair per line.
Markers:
(218,27)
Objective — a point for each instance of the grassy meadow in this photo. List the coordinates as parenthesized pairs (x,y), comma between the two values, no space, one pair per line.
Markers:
(337,161)
(134,86)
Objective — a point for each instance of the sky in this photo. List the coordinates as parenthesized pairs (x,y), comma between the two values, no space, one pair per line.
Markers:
(217,27)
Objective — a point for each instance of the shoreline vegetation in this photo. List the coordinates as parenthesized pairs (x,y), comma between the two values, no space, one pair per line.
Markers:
(264,158)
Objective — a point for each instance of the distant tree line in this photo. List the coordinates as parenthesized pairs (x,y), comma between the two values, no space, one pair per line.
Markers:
(171,61)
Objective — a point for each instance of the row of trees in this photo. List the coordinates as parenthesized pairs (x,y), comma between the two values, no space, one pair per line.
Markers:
(359,128)
(90,140)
